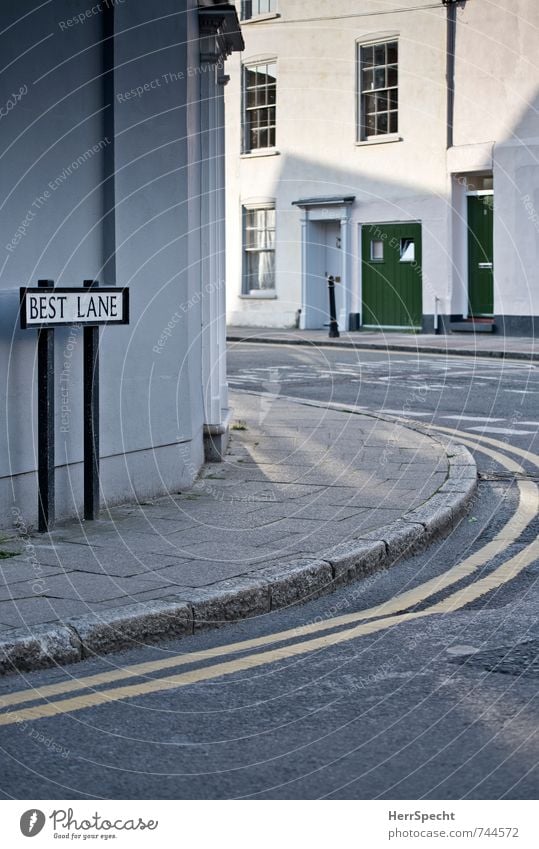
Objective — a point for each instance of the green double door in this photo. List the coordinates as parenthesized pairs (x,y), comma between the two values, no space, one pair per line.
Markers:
(480,255)
(391,275)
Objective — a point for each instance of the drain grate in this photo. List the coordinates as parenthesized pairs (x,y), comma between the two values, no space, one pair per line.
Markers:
(520,659)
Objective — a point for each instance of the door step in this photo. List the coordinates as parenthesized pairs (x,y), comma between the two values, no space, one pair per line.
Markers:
(473,325)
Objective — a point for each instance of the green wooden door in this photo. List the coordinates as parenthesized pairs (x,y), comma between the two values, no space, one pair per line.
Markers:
(391,275)
(480,255)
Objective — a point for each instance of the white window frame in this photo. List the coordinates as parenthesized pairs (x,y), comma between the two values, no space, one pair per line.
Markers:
(256,206)
(256,11)
(246,141)
(363,134)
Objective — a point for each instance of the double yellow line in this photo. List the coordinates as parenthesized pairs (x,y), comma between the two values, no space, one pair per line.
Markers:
(372,620)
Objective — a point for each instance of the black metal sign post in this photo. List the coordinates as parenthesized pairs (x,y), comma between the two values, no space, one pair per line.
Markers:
(45,423)
(44,308)
(91,417)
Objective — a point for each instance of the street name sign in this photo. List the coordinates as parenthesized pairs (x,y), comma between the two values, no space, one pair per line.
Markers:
(43,309)
(53,307)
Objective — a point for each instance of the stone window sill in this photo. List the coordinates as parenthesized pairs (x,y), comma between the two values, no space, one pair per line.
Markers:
(387,139)
(266,151)
(260,19)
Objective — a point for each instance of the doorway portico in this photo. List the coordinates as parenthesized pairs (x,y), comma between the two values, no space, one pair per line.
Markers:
(325,251)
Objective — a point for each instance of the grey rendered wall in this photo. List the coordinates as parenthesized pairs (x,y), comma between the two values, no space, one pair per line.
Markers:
(151,406)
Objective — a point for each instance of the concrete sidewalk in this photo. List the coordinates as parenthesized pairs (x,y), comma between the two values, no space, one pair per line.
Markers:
(456,344)
(307,500)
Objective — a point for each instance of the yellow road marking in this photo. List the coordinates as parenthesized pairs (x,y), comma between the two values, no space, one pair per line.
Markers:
(506,572)
(529,499)
(513,449)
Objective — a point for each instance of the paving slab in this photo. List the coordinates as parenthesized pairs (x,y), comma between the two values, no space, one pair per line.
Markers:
(255,533)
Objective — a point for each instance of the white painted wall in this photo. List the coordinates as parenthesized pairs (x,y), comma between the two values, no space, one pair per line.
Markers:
(316,140)
(497,83)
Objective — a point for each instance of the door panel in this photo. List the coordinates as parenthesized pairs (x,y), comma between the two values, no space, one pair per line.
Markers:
(333,258)
(391,275)
(480,255)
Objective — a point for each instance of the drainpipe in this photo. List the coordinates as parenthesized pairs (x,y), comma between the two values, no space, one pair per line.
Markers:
(450,68)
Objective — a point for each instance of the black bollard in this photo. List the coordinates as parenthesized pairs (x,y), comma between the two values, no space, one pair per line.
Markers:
(333,325)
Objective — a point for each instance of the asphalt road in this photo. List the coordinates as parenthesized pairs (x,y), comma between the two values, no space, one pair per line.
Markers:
(430,696)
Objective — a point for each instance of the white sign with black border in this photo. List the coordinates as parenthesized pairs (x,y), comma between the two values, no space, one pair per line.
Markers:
(58,306)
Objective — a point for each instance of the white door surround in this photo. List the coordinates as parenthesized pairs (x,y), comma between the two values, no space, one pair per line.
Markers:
(316,252)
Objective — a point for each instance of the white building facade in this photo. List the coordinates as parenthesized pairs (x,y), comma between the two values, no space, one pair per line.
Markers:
(394,147)
(112,149)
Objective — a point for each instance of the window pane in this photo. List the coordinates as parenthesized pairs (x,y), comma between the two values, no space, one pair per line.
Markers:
(260,271)
(250,77)
(261,96)
(271,72)
(263,117)
(381,101)
(367,81)
(369,104)
(370,125)
(407,250)
(380,54)
(377,250)
(367,56)
(393,122)
(392,75)
(381,123)
(380,77)
(392,53)
(259,253)
(393,98)
(251,272)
